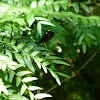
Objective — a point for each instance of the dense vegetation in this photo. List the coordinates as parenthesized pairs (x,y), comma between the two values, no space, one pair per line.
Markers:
(29,71)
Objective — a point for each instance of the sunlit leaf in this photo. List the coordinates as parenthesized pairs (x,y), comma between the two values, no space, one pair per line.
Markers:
(34,53)
(44,68)
(46,23)
(4,66)
(23,88)
(41,18)
(34,4)
(42,95)
(30,18)
(31,95)
(52,73)
(3,88)
(41,2)
(33,88)
(12,67)
(0,64)
(57,79)
(48,2)
(28,79)
(22,73)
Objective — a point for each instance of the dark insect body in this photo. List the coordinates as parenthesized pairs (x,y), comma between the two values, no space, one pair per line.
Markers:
(46,37)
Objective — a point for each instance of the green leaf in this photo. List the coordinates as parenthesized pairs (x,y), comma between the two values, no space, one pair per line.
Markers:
(41,2)
(6,77)
(41,18)
(31,95)
(38,63)
(34,53)
(64,6)
(13,41)
(44,64)
(30,19)
(42,95)
(16,1)
(18,81)
(16,97)
(81,37)
(27,49)
(11,75)
(55,76)
(50,17)
(10,1)
(92,21)
(3,88)
(98,22)
(84,47)
(9,54)
(60,62)
(19,58)
(46,23)
(91,36)
(4,66)
(44,68)
(21,45)
(88,41)
(50,8)
(15,48)
(48,2)
(85,7)
(34,4)
(29,63)
(0,64)
(23,88)
(20,21)
(75,21)
(57,79)
(84,21)
(28,79)
(62,74)
(52,73)
(52,57)
(56,7)
(76,7)
(45,52)
(22,73)
(39,28)
(33,88)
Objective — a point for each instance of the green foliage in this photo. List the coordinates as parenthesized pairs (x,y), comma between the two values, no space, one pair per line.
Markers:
(21,58)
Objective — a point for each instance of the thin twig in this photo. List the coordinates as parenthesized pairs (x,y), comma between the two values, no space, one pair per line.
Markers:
(66,79)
